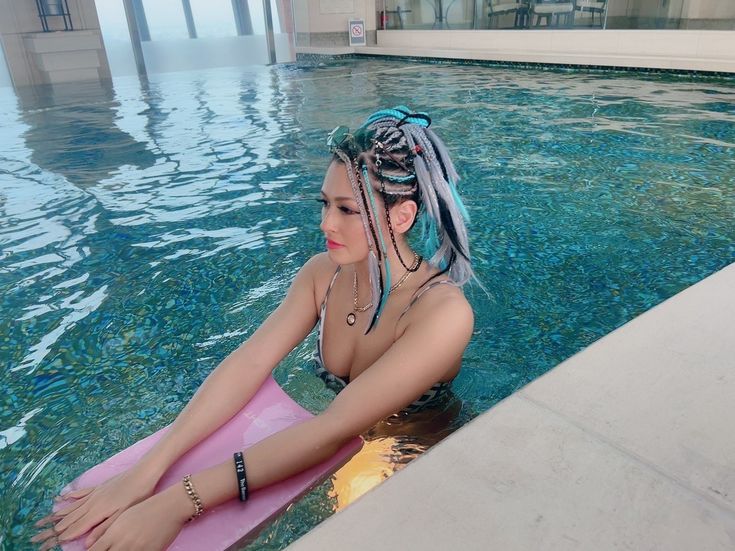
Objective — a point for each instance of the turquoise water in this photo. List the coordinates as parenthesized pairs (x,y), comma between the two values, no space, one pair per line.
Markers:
(147,229)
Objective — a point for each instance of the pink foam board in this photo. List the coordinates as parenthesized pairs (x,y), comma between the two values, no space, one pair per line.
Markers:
(232,524)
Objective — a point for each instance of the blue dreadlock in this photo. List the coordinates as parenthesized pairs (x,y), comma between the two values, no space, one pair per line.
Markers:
(396,153)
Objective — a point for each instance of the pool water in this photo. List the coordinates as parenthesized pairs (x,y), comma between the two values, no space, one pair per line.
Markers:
(147,229)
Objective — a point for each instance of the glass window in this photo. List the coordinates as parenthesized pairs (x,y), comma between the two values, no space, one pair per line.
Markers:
(213,18)
(282,20)
(257,17)
(556,14)
(165,19)
(116,36)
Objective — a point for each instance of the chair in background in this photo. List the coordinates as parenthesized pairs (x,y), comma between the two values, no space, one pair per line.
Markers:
(502,7)
(593,7)
(552,10)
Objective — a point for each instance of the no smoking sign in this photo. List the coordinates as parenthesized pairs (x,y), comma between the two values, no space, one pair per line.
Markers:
(357,32)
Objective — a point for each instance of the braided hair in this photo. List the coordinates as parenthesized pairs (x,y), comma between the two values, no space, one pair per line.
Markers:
(394,153)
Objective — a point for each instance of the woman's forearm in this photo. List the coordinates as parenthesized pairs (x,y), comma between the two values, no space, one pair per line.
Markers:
(224,392)
(275,458)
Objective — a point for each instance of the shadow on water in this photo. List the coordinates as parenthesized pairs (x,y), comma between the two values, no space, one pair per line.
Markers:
(71,131)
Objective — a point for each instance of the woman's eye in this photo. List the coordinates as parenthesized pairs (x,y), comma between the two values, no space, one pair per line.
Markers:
(345,210)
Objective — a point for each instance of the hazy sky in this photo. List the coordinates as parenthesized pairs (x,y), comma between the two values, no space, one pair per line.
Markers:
(212,18)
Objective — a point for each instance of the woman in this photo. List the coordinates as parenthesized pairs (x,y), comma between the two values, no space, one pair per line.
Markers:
(393,326)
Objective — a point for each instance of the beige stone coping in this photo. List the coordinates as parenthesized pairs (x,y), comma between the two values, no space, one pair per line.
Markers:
(629,444)
(325,50)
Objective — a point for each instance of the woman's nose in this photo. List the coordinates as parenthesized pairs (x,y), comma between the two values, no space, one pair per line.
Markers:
(327,224)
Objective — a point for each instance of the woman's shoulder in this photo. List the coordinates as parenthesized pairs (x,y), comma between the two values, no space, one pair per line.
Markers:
(320,265)
(321,269)
(440,303)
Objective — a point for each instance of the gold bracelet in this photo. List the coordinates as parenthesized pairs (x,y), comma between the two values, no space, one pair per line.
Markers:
(196,500)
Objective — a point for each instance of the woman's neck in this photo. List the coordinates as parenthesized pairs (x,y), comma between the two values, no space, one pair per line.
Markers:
(396,269)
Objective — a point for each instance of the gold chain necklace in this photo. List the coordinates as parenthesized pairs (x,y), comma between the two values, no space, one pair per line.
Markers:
(352,317)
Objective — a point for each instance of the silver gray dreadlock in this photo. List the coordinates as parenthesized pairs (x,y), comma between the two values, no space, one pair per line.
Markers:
(394,153)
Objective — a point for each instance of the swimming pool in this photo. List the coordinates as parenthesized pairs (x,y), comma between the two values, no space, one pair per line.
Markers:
(146,230)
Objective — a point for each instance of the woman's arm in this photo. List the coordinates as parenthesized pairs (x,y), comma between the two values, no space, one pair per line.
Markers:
(154,523)
(413,364)
(225,391)
(237,378)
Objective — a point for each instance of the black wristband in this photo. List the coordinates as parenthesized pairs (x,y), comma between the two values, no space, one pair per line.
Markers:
(242,481)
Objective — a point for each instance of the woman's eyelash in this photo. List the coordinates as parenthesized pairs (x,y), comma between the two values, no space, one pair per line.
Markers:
(346,210)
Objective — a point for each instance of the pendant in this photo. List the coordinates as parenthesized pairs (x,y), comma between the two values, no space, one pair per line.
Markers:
(351,318)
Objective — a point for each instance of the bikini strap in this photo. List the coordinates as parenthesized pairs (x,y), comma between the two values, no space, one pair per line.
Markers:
(329,289)
(322,309)
(421,291)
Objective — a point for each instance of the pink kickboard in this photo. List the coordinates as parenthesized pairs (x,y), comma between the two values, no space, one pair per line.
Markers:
(231,524)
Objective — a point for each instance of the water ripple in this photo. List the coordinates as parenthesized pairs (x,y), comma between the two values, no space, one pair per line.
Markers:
(80,309)
(147,229)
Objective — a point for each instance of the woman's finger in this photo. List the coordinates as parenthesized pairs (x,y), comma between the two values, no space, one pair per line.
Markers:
(43,536)
(53,517)
(72,518)
(75,494)
(80,526)
(49,544)
(61,513)
(102,544)
(97,533)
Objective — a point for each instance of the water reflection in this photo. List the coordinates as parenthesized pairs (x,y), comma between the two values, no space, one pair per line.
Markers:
(390,446)
(71,132)
(117,206)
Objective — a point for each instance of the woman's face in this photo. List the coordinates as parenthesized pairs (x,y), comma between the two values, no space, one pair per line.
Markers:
(341,220)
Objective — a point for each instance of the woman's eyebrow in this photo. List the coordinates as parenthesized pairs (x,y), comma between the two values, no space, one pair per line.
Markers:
(339,198)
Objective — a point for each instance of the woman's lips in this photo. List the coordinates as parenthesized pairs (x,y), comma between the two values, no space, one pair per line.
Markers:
(333,244)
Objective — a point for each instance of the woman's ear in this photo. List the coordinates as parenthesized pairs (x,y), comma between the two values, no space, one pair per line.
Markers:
(403,214)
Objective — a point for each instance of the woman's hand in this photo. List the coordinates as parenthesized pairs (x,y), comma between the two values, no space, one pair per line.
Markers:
(151,525)
(96,507)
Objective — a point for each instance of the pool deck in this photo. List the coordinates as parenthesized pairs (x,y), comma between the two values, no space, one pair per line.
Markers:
(629,444)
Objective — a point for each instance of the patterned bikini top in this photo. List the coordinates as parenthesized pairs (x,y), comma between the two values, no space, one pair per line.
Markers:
(337,383)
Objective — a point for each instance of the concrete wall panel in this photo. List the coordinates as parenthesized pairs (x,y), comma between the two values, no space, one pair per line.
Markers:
(63,61)
(35,57)
(63,42)
(333,15)
(72,75)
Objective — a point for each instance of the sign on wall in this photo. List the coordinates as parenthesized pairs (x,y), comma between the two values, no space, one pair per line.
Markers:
(357,32)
